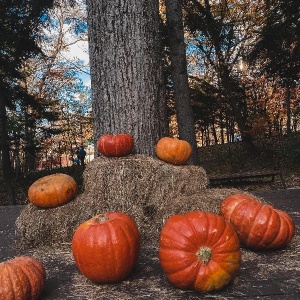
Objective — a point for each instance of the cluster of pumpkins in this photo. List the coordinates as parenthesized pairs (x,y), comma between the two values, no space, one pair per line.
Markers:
(197,250)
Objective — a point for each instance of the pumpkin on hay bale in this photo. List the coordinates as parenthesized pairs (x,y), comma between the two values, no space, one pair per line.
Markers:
(147,189)
(52,190)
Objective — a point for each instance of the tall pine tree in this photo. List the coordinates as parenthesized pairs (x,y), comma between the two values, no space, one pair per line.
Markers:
(18,22)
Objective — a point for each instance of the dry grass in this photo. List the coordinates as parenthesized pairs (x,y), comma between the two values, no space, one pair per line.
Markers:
(147,280)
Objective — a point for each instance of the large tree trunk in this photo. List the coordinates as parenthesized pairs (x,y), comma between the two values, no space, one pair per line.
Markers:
(184,112)
(126,71)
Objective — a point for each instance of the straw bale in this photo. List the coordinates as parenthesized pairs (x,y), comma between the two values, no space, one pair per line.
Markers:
(137,176)
(147,189)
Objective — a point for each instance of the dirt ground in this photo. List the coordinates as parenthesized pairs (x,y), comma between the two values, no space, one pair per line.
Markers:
(263,275)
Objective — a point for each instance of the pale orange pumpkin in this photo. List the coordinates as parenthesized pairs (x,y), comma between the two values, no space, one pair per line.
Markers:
(52,190)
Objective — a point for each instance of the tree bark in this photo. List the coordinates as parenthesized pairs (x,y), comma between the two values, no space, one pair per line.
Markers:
(184,111)
(126,71)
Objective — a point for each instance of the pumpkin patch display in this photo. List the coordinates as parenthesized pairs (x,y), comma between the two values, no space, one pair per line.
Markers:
(21,278)
(115,145)
(106,247)
(199,250)
(259,226)
(52,190)
(173,151)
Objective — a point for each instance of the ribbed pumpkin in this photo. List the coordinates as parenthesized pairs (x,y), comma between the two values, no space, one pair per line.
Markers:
(173,151)
(106,247)
(115,145)
(259,226)
(199,250)
(21,278)
(52,190)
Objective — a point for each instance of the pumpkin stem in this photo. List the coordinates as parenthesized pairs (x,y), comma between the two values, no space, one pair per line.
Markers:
(204,254)
(101,218)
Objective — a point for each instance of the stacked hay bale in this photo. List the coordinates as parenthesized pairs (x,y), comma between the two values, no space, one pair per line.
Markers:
(146,188)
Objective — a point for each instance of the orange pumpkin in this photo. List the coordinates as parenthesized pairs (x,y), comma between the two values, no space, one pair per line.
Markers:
(259,226)
(199,250)
(21,278)
(106,247)
(173,151)
(52,190)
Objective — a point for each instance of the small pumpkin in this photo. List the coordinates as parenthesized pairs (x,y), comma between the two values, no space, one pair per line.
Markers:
(52,190)
(259,226)
(106,247)
(115,145)
(199,250)
(21,278)
(173,151)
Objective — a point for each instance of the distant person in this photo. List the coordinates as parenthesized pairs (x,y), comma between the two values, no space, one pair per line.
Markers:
(81,155)
(77,154)
(75,161)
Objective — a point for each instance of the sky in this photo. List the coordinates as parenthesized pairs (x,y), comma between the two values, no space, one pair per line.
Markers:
(80,50)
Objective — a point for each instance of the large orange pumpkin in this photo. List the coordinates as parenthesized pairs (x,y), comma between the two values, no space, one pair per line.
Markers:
(21,278)
(115,145)
(173,151)
(52,190)
(199,250)
(106,247)
(259,226)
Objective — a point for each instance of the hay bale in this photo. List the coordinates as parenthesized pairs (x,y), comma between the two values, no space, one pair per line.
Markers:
(146,188)
(136,176)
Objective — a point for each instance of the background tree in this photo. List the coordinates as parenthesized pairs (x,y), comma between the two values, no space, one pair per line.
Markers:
(45,105)
(18,21)
(184,112)
(220,32)
(53,77)
(126,71)
(278,49)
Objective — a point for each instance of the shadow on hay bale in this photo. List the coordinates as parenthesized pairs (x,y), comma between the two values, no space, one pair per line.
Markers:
(147,189)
